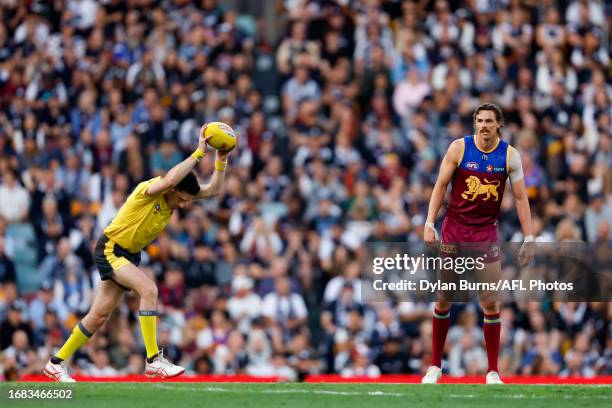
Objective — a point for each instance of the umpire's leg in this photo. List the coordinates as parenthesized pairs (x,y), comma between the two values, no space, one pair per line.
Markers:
(136,279)
(106,298)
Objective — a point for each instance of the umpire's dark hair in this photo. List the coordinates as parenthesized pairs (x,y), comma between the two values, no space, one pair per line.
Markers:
(189,184)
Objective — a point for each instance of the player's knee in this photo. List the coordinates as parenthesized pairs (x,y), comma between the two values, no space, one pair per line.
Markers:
(98,318)
(490,307)
(442,305)
(149,291)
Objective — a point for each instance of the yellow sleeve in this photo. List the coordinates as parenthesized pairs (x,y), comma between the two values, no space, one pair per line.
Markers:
(140,192)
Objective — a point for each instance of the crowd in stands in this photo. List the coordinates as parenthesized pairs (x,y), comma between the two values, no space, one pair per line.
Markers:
(342,124)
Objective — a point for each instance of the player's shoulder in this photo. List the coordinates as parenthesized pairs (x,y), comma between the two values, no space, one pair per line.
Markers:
(455,151)
(456,147)
(513,158)
(457,143)
(512,151)
(141,188)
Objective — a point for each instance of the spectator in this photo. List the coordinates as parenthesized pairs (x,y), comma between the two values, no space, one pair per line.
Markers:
(14,322)
(14,199)
(231,358)
(550,34)
(22,353)
(299,88)
(392,360)
(120,352)
(542,359)
(135,365)
(7,267)
(9,292)
(216,334)
(52,227)
(285,312)
(297,43)
(42,304)
(244,306)
(55,267)
(144,73)
(259,353)
(598,213)
(281,369)
(350,277)
(467,357)
(172,290)
(110,207)
(261,241)
(165,158)
(360,365)
(100,366)
(409,93)
(387,326)
(345,156)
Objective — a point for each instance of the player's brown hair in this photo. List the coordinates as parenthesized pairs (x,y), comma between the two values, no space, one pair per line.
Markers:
(499,116)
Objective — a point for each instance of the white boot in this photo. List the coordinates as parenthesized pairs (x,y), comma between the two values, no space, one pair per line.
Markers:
(160,367)
(58,372)
(432,376)
(493,378)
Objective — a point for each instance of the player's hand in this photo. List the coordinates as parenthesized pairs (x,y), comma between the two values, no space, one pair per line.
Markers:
(430,235)
(202,140)
(222,154)
(526,252)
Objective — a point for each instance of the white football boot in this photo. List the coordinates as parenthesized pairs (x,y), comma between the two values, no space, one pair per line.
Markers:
(160,367)
(432,376)
(493,378)
(58,372)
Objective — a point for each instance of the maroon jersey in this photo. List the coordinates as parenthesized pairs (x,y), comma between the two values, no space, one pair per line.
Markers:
(478,184)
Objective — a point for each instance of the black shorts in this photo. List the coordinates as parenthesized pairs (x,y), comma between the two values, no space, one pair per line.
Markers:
(109,255)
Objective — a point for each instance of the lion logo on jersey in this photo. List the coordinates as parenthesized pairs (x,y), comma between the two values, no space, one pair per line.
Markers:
(475,188)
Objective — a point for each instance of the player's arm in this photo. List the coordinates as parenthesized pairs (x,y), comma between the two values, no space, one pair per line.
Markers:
(519,190)
(517,180)
(447,168)
(178,172)
(216,182)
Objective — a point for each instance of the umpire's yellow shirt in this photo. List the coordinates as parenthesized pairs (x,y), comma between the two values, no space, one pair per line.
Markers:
(140,220)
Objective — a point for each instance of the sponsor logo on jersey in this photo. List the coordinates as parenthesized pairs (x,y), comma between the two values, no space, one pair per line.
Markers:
(475,187)
(490,168)
(472,165)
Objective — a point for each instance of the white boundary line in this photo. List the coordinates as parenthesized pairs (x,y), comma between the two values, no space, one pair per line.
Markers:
(290,391)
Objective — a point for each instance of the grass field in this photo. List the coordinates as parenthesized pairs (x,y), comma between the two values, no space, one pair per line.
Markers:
(174,395)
